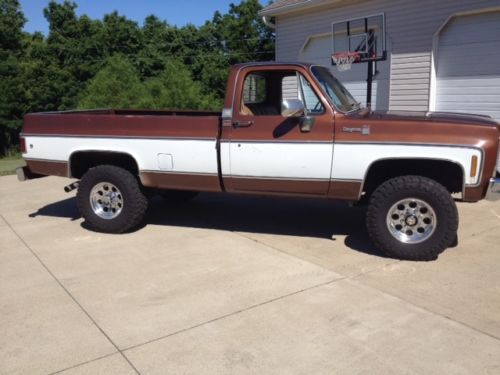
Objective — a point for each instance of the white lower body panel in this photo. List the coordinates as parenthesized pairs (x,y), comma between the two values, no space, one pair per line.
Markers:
(352,161)
(184,155)
(294,160)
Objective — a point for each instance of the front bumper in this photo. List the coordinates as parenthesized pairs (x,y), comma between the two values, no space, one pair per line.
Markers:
(24,174)
(493,193)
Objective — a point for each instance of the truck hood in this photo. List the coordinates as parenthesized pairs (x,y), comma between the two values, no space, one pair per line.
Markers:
(464,118)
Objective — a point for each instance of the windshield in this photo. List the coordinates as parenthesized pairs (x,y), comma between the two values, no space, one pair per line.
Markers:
(338,94)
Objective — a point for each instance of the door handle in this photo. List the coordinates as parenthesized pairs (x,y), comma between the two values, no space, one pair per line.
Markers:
(242,124)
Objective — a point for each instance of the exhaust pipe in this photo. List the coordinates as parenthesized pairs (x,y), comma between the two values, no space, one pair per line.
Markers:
(71,187)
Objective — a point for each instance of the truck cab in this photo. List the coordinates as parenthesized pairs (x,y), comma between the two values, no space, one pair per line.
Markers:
(277,132)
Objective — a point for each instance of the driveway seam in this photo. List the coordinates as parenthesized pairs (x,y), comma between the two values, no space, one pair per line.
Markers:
(69,294)
(84,363)
(356,278)
(285,253)
(376,268)
(234,313)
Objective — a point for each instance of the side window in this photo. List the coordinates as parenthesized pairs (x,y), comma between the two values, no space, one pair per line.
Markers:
(297,87)
(258,97)
(264,91)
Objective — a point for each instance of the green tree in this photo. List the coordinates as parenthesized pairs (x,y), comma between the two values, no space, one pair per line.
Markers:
(120,35)
(117,85)
(113,62)
(235,37)
(76,47)
(11,90)
(161,43)
(174,88)
(11,24)
(44,83)
(245,36)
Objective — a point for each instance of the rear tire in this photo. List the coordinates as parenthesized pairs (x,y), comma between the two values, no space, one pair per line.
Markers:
(412,218)
(111,200)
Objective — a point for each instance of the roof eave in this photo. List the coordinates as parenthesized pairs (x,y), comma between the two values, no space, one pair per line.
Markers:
(293,7)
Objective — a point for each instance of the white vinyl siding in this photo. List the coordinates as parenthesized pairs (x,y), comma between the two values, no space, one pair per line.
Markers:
(410,82)
(468,65)
(410,27)
(290,88)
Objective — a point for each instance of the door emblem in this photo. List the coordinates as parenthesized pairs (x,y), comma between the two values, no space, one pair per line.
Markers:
(364,130)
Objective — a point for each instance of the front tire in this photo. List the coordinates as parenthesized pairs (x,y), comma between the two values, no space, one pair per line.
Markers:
(111,200)
(412,218)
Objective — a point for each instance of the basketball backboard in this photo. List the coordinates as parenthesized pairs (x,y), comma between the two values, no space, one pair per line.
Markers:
(365,37)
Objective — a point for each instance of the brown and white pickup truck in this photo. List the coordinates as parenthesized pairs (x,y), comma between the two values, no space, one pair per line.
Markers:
(286,129)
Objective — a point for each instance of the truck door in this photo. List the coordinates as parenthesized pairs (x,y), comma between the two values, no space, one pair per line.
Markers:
(263,151)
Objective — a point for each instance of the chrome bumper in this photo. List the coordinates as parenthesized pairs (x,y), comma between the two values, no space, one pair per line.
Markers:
(493,193)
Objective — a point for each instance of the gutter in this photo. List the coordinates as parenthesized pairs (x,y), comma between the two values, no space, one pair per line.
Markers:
(292,7)
(268,23)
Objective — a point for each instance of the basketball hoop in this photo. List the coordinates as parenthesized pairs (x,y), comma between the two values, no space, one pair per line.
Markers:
(344,60)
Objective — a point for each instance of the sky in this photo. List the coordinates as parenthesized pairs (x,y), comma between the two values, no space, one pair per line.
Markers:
(175,12)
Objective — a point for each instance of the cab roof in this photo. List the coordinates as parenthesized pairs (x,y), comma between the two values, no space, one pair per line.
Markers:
(273,63)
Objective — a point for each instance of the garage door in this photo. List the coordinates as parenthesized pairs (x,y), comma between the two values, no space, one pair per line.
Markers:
(318,50)
(468,68)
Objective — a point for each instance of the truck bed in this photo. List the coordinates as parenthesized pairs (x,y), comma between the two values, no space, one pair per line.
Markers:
(172,149)
(136,112)
(125,123)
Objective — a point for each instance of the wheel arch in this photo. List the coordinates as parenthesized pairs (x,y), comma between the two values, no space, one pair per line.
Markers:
(80,161)
(382,169)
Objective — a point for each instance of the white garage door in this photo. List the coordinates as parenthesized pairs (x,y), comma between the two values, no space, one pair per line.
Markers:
(318,50)
(468,68)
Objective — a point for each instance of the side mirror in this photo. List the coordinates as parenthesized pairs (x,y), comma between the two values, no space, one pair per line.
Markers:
(292,108)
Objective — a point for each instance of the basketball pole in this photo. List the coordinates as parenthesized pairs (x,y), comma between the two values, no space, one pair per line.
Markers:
(369,82)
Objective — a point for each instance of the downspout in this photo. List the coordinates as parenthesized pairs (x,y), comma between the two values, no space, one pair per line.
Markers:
(268,22)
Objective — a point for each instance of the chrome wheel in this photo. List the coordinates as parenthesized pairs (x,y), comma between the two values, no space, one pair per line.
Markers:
(106,200)
(411,221)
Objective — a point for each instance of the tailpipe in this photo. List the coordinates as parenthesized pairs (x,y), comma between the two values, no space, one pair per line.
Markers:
(71,187)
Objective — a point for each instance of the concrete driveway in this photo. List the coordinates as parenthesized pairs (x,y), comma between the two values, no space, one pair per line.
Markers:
(238,285)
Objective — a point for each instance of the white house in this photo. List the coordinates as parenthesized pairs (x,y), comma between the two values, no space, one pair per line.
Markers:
(442,55)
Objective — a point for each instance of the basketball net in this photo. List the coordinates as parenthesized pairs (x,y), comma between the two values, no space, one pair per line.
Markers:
(344,60)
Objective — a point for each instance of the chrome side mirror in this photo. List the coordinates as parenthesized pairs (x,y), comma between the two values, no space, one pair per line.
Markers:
(292,108)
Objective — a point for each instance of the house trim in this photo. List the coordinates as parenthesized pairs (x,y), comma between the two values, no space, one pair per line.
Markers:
(309,39)
(292,7)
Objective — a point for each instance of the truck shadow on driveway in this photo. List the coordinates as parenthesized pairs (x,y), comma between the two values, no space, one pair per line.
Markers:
(249,214)
(66,209)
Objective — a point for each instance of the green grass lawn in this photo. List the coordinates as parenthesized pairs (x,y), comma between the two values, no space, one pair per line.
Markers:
(9,164)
